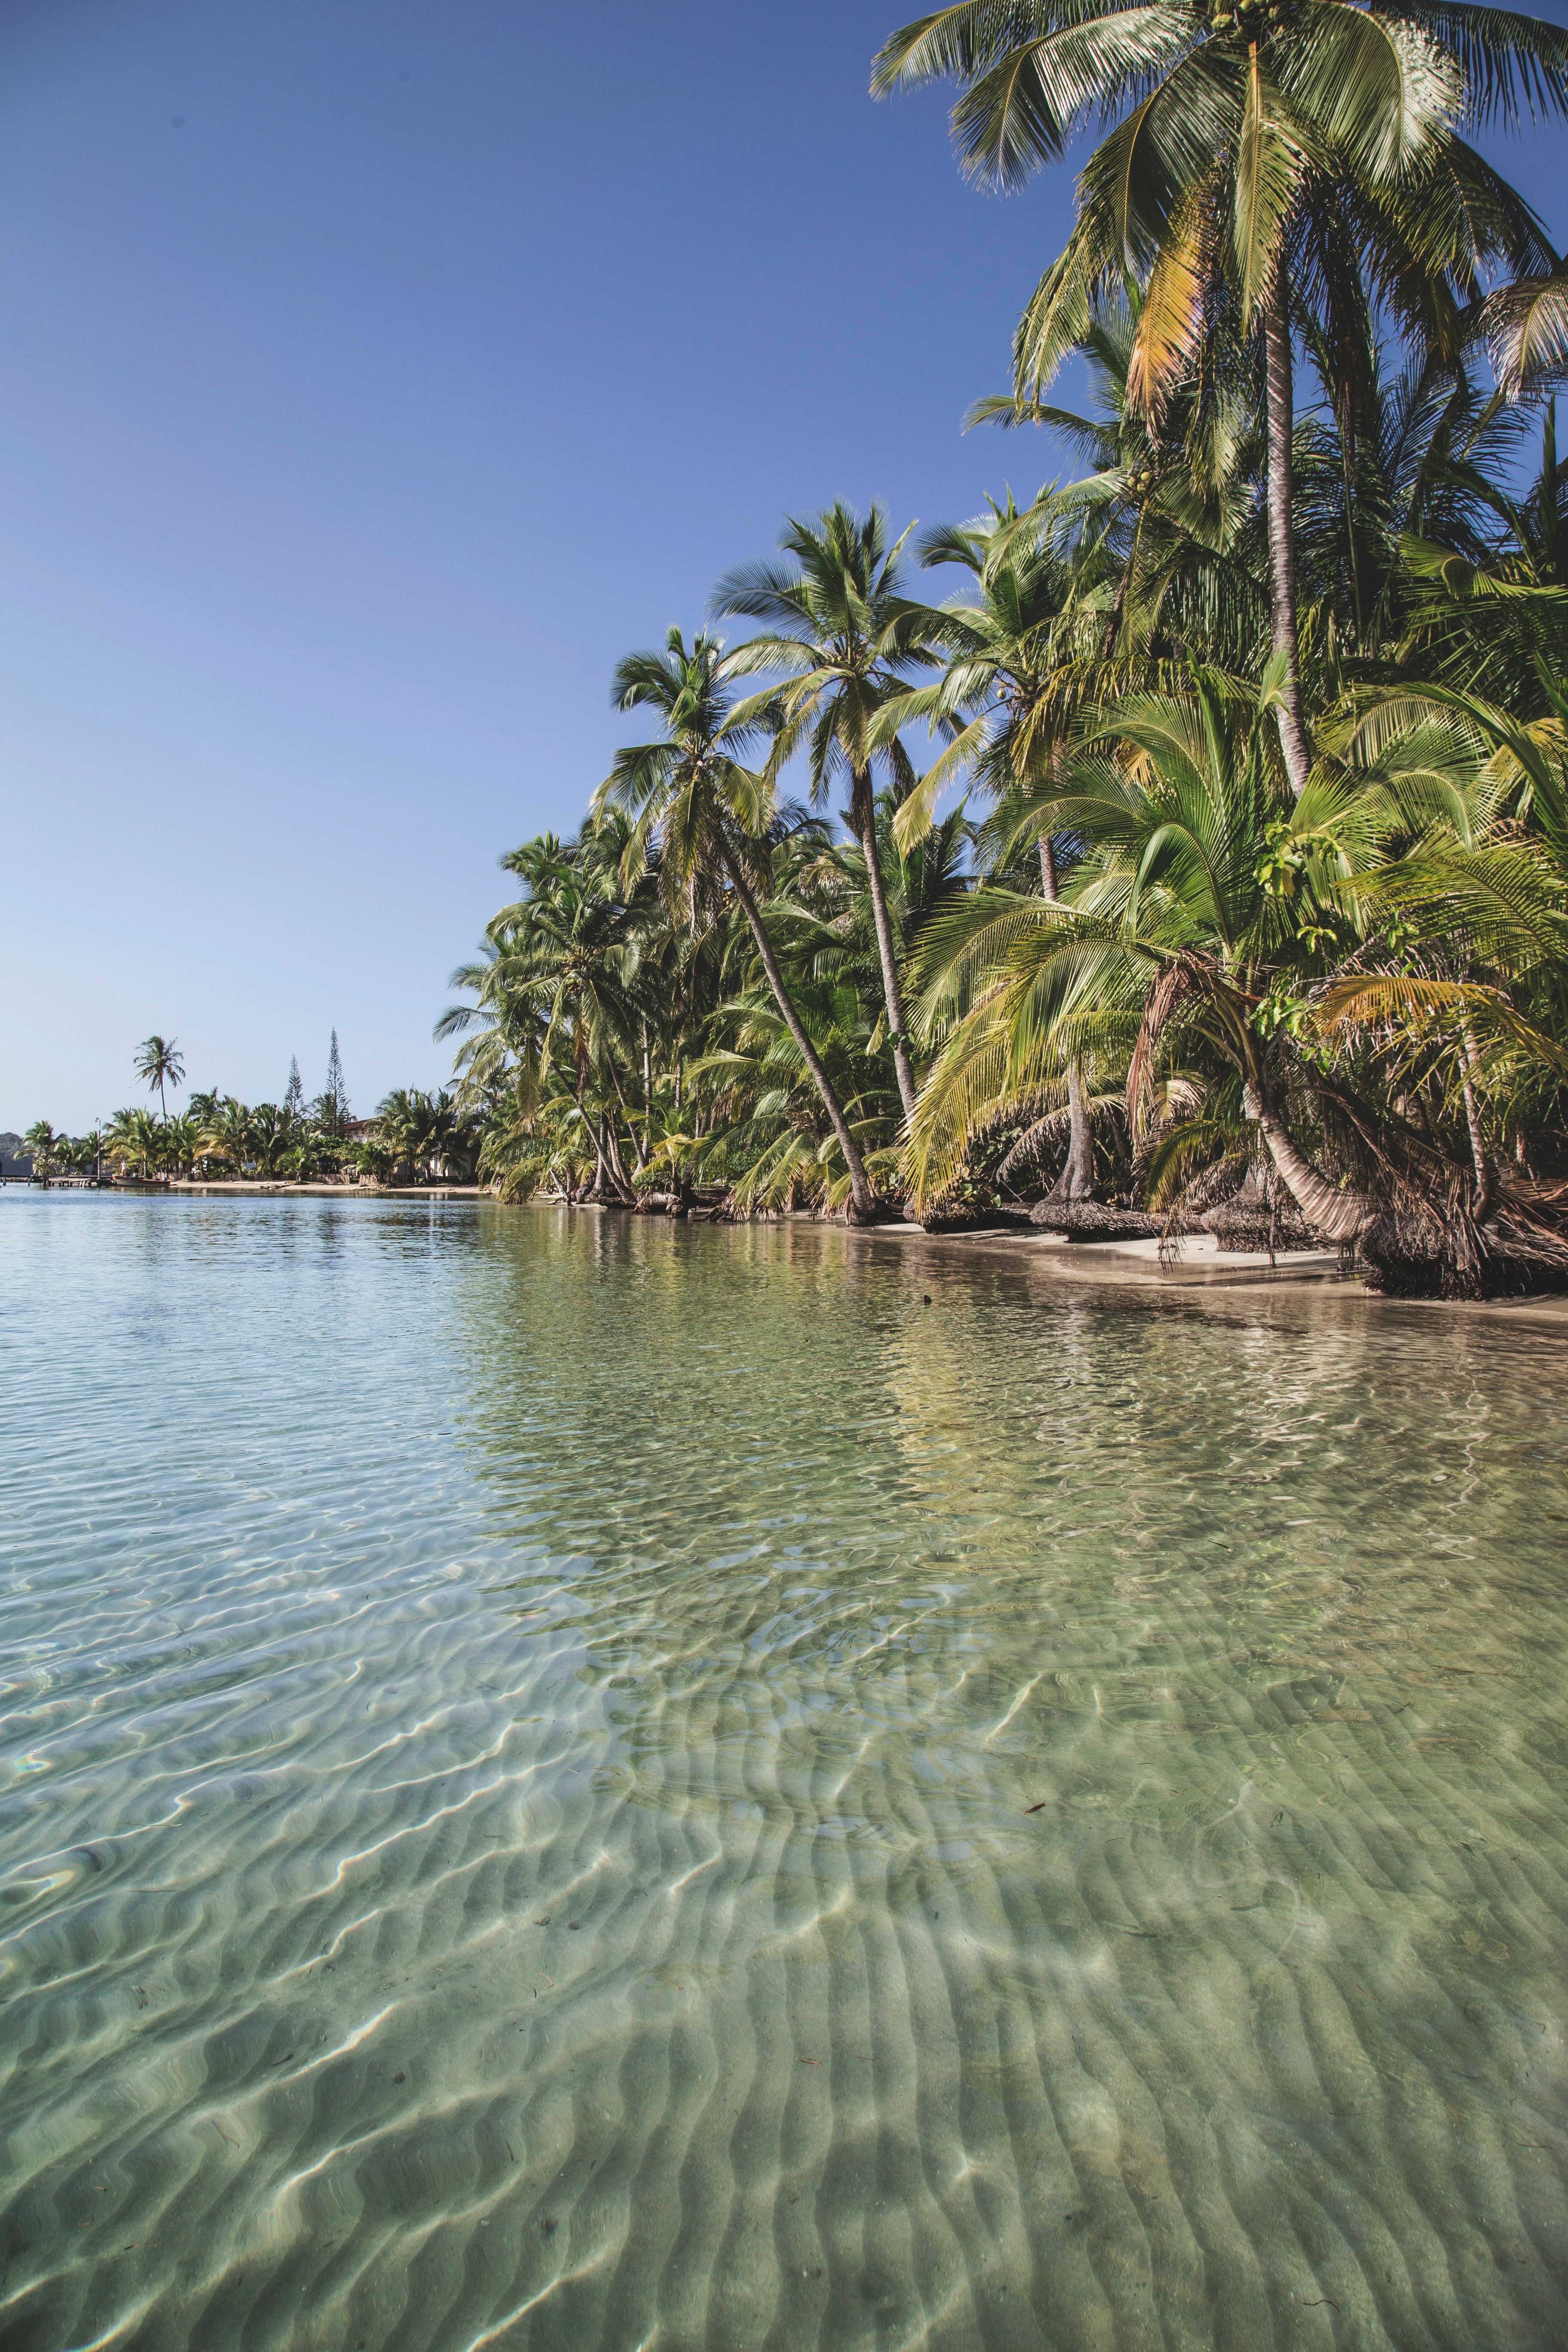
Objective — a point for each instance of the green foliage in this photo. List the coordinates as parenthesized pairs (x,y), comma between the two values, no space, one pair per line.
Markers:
(1240,859)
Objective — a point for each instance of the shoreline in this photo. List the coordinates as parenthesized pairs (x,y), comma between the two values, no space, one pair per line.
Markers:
(1197,1271)
(1192,1267)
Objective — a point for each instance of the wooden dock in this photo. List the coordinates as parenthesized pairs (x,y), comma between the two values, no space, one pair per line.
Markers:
(66,1183)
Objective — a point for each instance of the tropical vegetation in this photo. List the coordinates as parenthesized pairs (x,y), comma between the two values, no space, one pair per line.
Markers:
(1200,859)
(415,1135)
(1203,858)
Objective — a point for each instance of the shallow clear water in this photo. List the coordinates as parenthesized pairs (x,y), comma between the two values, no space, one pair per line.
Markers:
(573,1783)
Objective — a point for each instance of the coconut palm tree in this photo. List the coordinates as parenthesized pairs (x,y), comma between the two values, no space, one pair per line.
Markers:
(1310,965)
(44,1145)
(229,1135)
(846,639)
(1161,531)
(1404,452)
(160,1064)
(1006,697)
(1265,154)
(1486,609)
(691,794)
(423,1130)
(181,1142)
(272,1135)
(1476,978)
(565,972)
(137,1139)
(86,1153)
(1166,921)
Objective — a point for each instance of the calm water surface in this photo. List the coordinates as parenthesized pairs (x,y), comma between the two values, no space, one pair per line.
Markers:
(573,1784)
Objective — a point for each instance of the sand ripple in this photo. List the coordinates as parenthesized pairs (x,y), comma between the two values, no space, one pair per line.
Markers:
(588,1787)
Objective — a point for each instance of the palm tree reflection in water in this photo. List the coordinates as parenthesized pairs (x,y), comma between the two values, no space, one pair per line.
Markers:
(1006,1791)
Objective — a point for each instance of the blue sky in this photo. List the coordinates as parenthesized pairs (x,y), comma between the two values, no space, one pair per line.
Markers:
(373,375)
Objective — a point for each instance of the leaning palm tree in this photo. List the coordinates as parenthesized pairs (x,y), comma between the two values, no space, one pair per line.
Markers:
(1266,153)
(691,794)
(159,1065)
(846,639)
(1246,931)
(1167,929)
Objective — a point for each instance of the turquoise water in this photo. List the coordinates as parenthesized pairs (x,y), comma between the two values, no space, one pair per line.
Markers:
(568,1782)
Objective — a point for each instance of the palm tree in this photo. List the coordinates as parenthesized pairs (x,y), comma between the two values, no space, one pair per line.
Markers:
(1407,453)
(229,1135)
(1161,532)
(690,793)
(1269,154)
(181,1141)
(1168,917)
(86,1153)
(44,1145)
(159,1064)
(272,1135)
(846,639)
(424,1131)
(138,1137)
(564,988)
(1486,607)
(1239,939)
(400,1124)
(562,985)
(117,1137)
(1473,984)
(1006,697)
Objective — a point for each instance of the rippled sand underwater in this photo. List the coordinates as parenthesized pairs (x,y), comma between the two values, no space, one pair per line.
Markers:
(577,1784)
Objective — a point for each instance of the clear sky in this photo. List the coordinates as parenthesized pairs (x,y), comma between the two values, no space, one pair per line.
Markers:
(373,375)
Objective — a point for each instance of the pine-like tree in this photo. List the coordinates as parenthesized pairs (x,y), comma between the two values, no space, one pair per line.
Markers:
(336,1092)
(294,1100)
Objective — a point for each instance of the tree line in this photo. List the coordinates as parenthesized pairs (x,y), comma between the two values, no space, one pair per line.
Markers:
(1204,858)
(415,1135)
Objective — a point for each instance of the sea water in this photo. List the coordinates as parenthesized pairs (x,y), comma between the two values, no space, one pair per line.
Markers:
(568,1781)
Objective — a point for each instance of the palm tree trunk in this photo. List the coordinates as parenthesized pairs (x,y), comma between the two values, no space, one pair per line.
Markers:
(604,1180)
(1478,1140)
(1343,1216)
(866,809)
(647,1097)
(627,1115)
(1076,1182)
(594,1128)
(612,1149)
(1113,625)
(1295,741)
(1080,1169)
(859,1187)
